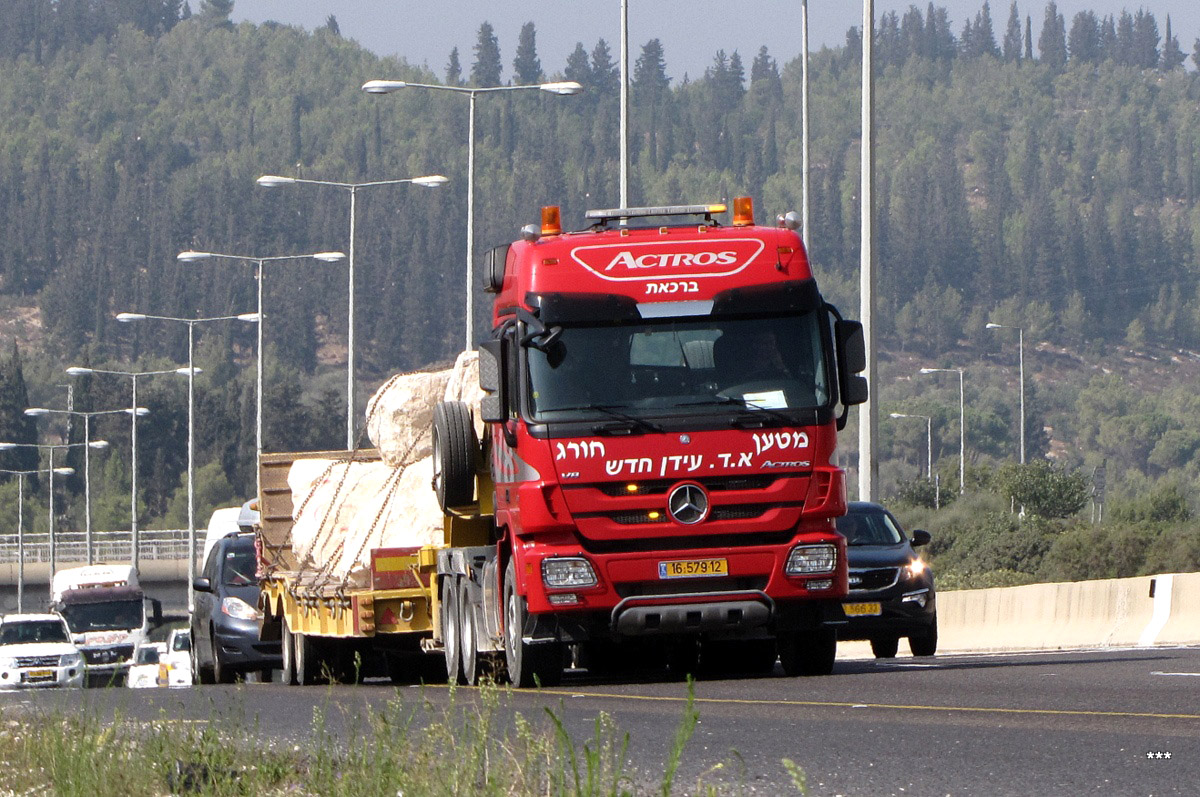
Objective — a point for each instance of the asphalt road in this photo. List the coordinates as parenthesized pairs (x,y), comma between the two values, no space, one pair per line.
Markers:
(1084,722)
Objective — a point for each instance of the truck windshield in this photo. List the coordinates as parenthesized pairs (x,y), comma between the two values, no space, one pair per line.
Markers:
(110,616)
(680,367)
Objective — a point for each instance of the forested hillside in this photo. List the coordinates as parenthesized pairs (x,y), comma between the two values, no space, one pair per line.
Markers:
(1041,173)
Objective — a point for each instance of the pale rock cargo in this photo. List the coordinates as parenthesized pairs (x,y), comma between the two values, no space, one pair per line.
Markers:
(341,510)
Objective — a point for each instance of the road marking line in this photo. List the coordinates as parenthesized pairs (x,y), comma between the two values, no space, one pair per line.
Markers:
(1176,673)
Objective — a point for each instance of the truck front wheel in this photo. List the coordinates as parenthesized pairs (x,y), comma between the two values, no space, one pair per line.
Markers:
(528,664)
(808,652)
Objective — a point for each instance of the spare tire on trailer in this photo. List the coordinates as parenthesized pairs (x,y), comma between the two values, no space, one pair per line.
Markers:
(454,449)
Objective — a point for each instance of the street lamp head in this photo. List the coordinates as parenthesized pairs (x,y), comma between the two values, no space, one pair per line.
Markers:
(274,181)
(185,370)
(98,444)
(127,317)
(8,446)
(565,88)
(250,317)
(431,181)
(330,257)
(990,325)
(141,412)
(76,370)
(37,412)
(383,86)
(897,415)
(930,370)
(191,257)
(65,471)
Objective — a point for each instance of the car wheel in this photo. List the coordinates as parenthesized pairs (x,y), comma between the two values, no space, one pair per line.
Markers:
(451,637)
(221,673)
(527,664)
(808,652)
(468,641)
(287,673)
(200,673)
(925,643)
(885,647)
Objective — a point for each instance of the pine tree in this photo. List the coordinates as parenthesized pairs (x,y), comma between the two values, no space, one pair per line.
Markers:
(985,35)
(1083,43)
(15,425)
(606,77)
(216,11)
(764,75)
(579,67)
(1012,35)
(453,69)
(650,69)
(486,69)
(1028,38)
(1052,43)
(1172,54)
(527,68)
(1108,39)
(331,25)
(1145,40)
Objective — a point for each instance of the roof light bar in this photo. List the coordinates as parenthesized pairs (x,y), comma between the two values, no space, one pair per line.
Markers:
(659,210)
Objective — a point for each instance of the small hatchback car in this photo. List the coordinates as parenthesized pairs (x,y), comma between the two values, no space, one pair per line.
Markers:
(891,588)
(36,651)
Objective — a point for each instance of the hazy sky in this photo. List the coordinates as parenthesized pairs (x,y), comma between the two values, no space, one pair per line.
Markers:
(691,30)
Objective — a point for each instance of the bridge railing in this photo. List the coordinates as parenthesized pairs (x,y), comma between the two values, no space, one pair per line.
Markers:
(107,546)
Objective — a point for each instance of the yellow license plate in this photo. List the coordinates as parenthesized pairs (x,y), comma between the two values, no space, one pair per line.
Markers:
(39,675)
(693,568)
(862,609)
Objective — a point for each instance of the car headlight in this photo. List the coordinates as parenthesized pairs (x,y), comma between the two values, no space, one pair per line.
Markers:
(238,609)
(807,560)
(562,572)
(70,660)
(7,662)
(916,568)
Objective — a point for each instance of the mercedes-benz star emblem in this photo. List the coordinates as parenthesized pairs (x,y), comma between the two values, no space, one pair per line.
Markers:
(688,504)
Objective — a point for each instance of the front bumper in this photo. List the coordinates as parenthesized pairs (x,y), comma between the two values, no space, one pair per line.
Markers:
(41,677)
(241,648)
(903,611)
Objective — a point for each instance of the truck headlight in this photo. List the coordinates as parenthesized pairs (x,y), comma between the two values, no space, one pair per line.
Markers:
(238,609)
(806,560)
(70,660)
(560,572)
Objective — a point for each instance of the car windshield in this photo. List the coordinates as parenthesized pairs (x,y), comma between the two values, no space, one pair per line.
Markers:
(109,616)
(147,656)
(182,642)
(239,567)
(666,368)
(20,633)
(869,528)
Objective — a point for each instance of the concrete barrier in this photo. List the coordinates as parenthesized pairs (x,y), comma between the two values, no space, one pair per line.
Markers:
(1120,612)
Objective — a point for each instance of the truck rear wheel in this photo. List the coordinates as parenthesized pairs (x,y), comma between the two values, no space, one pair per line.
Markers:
(307,661)
(528,664)
(454,447)
(287,643)
(469,640)
(451,638)
(808,652)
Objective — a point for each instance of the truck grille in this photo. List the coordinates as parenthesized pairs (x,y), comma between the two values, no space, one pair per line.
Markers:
(620,489)
(877,578)
(690,542)
(691,585)
(113,655)
(37,661)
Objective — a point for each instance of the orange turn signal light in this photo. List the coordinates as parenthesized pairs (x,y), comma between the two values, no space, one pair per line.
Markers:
(551,220)
(743,211)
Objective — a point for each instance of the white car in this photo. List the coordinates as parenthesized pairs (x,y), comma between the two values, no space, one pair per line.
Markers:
(179,657)
(36,651)
(149,668)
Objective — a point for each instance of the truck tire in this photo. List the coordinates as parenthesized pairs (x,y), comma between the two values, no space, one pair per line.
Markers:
(469,636)
(808,652)
(307,660)
(454,447)
(885,647)
(924,644)
(287,673)
(528,665)
(451,637)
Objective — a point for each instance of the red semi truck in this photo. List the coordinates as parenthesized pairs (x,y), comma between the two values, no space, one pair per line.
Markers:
(657,478)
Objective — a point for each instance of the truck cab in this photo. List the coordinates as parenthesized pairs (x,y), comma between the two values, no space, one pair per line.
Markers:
(658,461)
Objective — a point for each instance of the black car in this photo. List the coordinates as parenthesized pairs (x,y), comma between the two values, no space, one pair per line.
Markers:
(891,588)
(224,624)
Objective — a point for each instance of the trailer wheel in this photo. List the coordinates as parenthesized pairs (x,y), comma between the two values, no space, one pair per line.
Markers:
(450,633)
(307,661)
(287,673)
(808,651)
(469,640)
(454,447)
(527,664)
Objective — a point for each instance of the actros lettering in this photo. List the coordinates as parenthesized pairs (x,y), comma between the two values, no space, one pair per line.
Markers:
(674,260)
(673,287)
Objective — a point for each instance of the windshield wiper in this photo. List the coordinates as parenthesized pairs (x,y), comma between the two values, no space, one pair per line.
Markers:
(750,407)
(611,410)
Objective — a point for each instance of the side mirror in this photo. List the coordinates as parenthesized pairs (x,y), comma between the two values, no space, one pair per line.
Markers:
(495,261)
(491,381)
(156,611)
(851,362)
(920,537)
(202,585)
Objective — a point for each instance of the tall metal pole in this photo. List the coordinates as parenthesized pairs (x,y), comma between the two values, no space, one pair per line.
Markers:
(1021,360)
(470,225)
(50,476)
(350,335)
(804,126)
(258,390)
(87,484)
(191,479)
(868,429)
(962,435)
(624,103)
(20,542)
(928,447)
(135,540)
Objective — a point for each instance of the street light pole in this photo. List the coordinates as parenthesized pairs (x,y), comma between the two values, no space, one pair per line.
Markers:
(1021,372)
(624,103)
(962,423)
(563,88)
(804,125)
(427,181)
(21,474)
(192,370)
(868,429)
